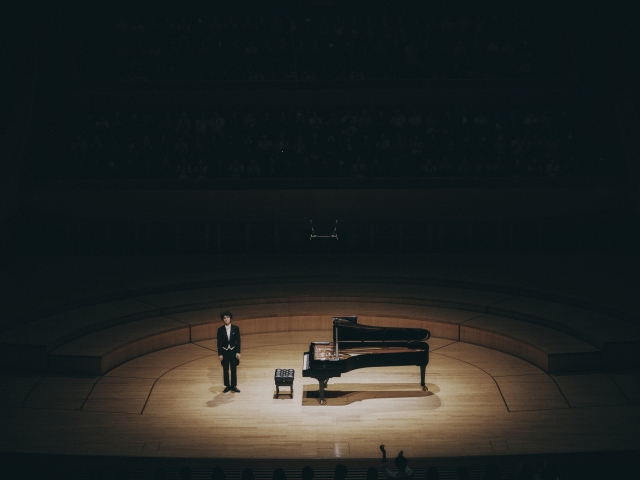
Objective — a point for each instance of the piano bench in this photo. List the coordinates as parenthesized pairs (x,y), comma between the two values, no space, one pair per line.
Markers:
(284,378)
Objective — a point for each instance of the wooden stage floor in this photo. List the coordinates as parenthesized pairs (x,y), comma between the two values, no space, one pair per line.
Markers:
(170,404)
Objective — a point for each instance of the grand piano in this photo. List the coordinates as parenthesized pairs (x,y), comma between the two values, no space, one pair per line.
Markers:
(361,346)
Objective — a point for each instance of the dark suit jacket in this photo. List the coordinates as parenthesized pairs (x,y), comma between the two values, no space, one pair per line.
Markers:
(224,342)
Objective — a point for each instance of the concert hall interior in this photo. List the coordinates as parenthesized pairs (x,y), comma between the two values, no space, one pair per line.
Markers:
(428,212)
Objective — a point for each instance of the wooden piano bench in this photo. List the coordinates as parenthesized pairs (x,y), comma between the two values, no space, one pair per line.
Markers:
(284,378)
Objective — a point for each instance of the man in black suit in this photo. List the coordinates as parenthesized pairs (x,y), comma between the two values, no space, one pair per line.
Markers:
(229,350)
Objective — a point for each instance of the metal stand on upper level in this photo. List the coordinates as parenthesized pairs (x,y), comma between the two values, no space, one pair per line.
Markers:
(334,235)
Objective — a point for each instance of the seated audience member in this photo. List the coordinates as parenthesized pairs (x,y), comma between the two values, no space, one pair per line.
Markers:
(340,472)
(462,473)
(307,473)
(278,474)
(403,470)
(247,474)
(372,473)
(217,473)
(185,473)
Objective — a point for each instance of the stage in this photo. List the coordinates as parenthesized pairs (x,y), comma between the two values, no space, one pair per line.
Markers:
(170,404)
(482,402)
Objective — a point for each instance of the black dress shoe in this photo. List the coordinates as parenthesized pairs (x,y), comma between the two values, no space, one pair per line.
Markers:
(235,389)
(226,389)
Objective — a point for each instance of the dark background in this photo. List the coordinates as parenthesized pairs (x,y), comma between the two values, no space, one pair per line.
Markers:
(63,63)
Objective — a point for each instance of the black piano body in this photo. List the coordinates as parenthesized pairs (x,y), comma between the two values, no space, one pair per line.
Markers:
(361,346)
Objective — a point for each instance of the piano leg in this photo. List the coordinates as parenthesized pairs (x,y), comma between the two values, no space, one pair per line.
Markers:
(321,385)
(423,369)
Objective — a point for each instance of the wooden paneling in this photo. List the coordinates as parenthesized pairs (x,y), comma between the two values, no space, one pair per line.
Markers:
(548,349)
(99,352)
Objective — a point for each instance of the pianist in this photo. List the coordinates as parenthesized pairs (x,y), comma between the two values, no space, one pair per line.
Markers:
(229,351)
(403,472)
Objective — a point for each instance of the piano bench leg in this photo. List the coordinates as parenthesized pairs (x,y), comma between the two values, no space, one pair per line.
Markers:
(290,390)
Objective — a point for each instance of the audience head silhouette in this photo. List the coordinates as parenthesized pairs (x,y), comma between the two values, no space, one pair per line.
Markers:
(217,473)
(278,474)
(340,472)
(307,473)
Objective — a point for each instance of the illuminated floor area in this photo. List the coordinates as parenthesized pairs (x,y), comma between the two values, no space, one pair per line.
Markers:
(170,404)
(139,384)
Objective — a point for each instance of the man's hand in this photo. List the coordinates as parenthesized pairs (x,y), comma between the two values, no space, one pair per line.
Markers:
(238,356)
(220,357)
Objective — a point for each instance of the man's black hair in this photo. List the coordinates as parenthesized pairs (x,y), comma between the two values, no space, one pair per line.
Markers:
(225,313)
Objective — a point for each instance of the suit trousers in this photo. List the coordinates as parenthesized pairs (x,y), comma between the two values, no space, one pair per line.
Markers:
(229,363)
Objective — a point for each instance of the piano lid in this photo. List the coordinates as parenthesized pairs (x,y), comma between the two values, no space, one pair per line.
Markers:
(348,329)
